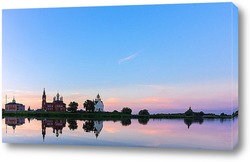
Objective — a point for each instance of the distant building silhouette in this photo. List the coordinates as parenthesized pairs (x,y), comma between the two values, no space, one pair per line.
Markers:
(99,106)
(13,106)
(55,106)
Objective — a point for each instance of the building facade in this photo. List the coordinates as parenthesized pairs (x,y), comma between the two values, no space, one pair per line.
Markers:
(99,106)
(56,106)
(13,106)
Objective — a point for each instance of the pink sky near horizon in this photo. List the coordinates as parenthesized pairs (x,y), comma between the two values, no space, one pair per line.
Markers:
(155,98)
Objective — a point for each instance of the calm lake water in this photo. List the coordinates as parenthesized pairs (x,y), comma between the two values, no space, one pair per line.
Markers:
(165,133)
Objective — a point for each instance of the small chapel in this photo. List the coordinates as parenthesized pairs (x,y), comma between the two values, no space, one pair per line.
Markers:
(99,106)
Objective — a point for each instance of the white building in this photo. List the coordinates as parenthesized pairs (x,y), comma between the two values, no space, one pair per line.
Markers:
(99,106)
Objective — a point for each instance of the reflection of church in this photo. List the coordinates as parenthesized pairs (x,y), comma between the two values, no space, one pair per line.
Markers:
(56,105)
(57,126)
(189,122)
(93,126)
(98,125)
(13,122)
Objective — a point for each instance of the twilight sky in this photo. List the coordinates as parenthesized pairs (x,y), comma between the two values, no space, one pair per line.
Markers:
(164,58)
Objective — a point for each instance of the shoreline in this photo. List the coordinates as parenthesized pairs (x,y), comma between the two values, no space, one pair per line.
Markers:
(111,115)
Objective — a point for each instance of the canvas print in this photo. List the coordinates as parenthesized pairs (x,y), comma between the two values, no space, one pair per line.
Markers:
(161,76)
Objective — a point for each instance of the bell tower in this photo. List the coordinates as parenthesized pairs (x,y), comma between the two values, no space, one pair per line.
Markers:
(43,99)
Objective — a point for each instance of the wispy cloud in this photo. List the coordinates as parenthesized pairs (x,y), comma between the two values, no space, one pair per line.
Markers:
(130,57)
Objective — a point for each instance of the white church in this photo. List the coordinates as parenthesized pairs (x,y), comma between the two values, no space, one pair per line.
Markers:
(99,106)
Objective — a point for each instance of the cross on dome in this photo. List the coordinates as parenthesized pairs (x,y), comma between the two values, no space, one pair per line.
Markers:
(13,101)
(57,96)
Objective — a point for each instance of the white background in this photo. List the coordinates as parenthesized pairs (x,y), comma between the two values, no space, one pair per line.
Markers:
(83,153)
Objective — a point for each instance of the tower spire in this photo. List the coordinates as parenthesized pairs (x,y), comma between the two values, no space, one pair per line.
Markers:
(13,101)
(43,99)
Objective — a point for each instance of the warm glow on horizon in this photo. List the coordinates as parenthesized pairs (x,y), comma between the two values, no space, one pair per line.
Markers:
(180,97)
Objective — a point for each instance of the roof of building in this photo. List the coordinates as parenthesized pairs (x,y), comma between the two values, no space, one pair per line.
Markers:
(11,103)
(14,102)
(58,101)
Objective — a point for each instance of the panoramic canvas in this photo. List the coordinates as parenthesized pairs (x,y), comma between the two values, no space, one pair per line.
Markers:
(161,76)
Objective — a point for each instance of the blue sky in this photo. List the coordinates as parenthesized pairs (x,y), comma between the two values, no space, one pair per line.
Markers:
(159,57)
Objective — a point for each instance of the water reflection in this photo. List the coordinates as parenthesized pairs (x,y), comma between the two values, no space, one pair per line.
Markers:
(14,122)
(190,121)
(98,125)
(93,126)
(56,124)
(155,132)
(126,122)
(143,121)
(72,124)
(88,126)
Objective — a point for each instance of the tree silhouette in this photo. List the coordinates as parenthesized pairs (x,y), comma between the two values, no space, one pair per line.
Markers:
(72,106)
(201,113)
(223,114)
(143,112)
(126,110)
(72,124)
(89,105)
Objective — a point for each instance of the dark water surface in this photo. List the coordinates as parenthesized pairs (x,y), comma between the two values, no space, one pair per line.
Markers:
(165,133)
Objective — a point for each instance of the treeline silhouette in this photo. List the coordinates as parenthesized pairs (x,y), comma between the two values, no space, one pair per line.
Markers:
(126,112)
